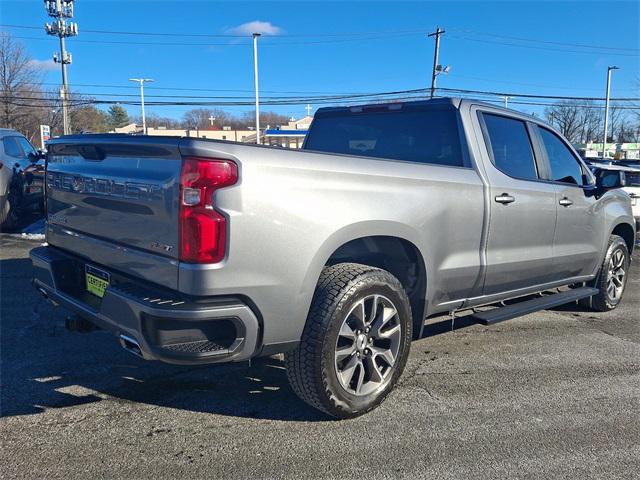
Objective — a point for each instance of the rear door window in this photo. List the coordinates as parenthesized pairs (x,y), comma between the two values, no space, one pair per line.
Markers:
(422,135)
(12,148)
(564,165)
(510,146)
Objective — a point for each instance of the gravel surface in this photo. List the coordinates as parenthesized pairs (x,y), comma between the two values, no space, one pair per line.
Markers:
(554,394)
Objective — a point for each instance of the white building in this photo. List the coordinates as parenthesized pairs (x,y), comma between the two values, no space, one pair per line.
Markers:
(225,133)
(290,135)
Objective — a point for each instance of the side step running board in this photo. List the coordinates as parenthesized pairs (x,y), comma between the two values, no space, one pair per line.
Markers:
(529,306)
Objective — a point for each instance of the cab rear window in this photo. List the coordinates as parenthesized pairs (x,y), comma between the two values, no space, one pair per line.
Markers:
(422,135)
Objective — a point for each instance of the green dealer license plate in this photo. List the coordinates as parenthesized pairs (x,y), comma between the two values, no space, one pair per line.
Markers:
(97,280)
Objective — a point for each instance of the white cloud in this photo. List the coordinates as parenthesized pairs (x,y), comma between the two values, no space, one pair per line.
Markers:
(257,26)
(46,65)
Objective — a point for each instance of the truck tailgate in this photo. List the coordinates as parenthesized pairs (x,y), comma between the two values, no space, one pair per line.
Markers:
(121,192)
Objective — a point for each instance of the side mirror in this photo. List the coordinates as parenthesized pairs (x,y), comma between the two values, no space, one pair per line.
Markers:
(610,179)
(34,157)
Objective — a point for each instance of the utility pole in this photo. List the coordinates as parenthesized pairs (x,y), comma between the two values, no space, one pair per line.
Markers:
(606,109)
(255,81)
(506,101)
(141,82)
(308,108)
(61,10)
(436,68)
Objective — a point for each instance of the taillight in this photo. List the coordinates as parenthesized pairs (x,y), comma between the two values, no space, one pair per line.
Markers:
(203,230)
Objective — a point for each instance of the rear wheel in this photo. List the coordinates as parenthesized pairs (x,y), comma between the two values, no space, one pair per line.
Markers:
(355,343)
(612,277)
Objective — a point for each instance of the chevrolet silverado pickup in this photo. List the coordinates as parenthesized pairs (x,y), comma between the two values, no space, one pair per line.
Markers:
(195,251)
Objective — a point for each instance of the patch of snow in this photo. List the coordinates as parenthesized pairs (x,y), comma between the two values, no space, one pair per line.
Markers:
(32,236)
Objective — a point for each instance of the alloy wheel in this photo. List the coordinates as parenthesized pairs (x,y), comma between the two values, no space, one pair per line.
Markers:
(368,344)
(616,275)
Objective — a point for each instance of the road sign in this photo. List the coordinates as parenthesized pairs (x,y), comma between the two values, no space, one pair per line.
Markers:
(45,135)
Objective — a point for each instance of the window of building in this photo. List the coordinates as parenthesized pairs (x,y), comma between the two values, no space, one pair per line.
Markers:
(510,146)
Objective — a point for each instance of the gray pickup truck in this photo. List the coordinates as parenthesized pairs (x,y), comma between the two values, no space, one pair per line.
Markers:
(195,251)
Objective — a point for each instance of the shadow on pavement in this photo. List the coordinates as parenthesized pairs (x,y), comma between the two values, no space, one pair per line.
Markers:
(44,366)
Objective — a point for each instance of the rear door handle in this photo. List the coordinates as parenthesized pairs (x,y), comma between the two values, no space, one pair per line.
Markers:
(565,202)
(505,198)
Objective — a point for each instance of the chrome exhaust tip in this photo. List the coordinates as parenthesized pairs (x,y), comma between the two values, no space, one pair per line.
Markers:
(131,345)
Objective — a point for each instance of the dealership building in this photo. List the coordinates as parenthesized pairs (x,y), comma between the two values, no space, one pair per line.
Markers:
(291,135)
(614,151)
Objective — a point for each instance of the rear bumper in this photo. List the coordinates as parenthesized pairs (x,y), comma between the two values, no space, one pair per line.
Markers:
(157,324)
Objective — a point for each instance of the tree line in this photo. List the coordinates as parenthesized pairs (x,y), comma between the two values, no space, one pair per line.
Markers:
(583,122)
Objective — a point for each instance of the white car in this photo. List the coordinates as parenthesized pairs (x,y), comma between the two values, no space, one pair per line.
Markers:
(632,176)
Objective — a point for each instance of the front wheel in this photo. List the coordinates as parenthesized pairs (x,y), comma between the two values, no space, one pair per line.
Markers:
(612,277)
(355,343)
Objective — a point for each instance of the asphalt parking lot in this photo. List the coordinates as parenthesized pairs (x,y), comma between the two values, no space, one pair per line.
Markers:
(554,394)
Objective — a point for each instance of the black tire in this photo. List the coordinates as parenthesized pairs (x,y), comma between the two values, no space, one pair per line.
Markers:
(312,368)
(604,301)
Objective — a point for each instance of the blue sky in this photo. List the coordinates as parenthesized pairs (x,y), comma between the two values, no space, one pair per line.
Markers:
(293,61)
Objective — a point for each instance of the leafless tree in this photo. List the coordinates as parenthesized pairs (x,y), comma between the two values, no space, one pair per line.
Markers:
(154,121)
(20,88)
(583,121)
(267,118)
(568,118)
(201,118)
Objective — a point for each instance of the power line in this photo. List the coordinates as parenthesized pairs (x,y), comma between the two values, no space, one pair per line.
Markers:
(580,45)
(417,31)
(187,89)
(231,35)
(312,99)
(270,43)
(535,47)
(350,99)
(530,95)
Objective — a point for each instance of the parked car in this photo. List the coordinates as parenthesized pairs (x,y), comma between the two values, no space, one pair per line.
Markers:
(632,182)
(21,178)
(199,251)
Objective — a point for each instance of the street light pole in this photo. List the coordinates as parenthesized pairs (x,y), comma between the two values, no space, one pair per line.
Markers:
(141,82)
(606,109)
(255,81)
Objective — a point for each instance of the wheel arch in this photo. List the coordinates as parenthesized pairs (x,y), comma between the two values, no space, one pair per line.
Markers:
(627,232)
(391,246)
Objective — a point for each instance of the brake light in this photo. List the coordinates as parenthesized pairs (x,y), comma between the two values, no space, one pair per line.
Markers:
(203,230)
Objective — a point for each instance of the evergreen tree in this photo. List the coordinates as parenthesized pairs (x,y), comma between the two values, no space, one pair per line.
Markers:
(118,116)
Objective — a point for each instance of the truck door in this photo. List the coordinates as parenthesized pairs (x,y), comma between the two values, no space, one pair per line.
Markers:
(522,222)
(579,237)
